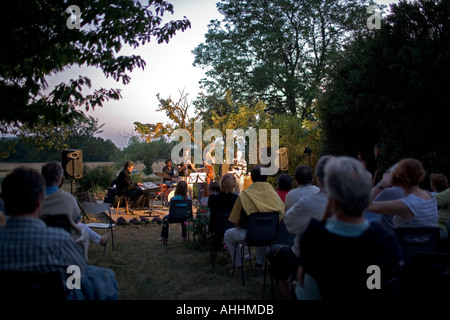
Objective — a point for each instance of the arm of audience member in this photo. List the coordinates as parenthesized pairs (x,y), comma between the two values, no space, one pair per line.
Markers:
(295,218)
(328,213)
(300,275)
(397,207)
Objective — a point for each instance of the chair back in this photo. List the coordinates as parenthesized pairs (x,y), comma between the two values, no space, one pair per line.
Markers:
(180,210)
(414,240)
(284,237)
(262,229)
(57,221)
(95,208)
(16,285)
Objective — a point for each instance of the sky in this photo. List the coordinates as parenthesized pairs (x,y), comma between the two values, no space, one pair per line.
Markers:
(168,71)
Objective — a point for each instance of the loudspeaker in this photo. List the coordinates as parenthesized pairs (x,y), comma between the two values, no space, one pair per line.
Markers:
(72,163)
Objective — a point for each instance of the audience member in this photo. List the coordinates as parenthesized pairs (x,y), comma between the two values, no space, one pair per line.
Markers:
(284,185)
(28,245)
(418,208)
(260,196)
(284,258)
(181,193)
(439,185)
(2,219)
(125,187)
(387,194)
(303,178)
(336,253)
(59,202)
(219,204)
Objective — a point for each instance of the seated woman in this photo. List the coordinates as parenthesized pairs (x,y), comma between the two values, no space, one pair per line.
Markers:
(221,203)
(418,208)
(180,194)
(284,185)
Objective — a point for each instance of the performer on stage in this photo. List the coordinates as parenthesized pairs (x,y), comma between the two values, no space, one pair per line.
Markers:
(239,168)
(168,170)
(185,168)
(125,187)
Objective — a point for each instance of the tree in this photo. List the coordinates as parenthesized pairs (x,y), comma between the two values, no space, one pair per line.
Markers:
(38,39)
(176,111)
(392,87)
(276,51)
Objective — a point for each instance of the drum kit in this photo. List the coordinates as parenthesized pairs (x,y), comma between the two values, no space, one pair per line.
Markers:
(166,193)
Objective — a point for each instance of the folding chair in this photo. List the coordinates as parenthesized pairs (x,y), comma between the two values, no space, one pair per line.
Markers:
(283,238)
(96,208)
(179,212)
(57,221)
(413,240)
(262,230)
(220,226)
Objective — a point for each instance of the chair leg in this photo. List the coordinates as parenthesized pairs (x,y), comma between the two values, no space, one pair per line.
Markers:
(126,205)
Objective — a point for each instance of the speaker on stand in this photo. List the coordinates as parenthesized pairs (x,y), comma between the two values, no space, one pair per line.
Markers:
(283,158)
(72,163)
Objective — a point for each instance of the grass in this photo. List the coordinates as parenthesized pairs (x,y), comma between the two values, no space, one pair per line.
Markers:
(147,270)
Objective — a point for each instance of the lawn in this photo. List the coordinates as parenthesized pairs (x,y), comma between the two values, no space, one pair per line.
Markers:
(147,270)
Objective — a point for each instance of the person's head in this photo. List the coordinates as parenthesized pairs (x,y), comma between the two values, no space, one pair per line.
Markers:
(255,174)
(23,192)
(129,165)
(181,189)
(284,182)
(168,163)
(409,173)
(303,175)
(227,183)
(53,174)
(239,154)
(438,182)
(320,169)
(214,187)
(348,186)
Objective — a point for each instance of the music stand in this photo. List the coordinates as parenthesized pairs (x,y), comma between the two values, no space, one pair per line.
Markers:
(197,177)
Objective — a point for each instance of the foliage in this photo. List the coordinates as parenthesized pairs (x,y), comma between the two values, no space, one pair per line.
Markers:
(276,51)
(176,111)
(197,223)
(99,176)
(391,87)
(36,43)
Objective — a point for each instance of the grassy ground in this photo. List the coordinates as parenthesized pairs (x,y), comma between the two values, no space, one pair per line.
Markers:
(147,270)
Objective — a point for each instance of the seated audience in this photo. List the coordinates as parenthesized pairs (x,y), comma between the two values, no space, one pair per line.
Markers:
(260,196)
(181,193)
(59,202)
(284,185)
(387,194)
(221,203)
(284,258)
(418,208)
(336,253)
(28,245)
(439,185)
(303,178)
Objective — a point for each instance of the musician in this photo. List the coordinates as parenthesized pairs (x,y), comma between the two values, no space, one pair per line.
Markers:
(168,170)
(184,169)
(130,189)
(239,168)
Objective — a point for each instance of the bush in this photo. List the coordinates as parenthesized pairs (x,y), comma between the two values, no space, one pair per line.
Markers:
(99,176)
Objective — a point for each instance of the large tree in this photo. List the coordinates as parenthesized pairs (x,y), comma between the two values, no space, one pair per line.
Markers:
(392,87)
(277,51)
(39,38)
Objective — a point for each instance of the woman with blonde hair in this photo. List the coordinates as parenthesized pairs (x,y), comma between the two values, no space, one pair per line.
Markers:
(220,206)
(418,208)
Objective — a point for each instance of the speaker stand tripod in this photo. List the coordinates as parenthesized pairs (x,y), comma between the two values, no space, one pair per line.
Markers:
(72,182)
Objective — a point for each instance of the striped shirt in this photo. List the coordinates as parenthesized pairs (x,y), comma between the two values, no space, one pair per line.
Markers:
(425,213)
(28,245)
